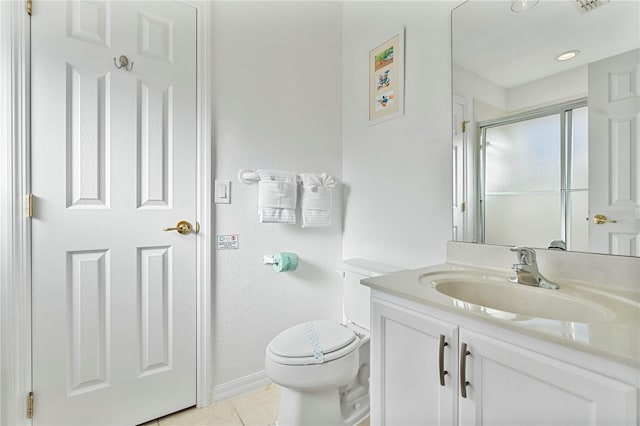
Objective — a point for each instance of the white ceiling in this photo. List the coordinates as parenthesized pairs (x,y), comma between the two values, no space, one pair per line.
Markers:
(510,48)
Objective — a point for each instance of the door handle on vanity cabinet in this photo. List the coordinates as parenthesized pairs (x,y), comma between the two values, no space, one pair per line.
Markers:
(463,370)
(442,371)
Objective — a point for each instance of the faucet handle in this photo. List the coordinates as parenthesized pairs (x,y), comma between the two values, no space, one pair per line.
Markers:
(526,255)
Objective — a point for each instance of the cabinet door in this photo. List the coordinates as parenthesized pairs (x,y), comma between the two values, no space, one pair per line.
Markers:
(405,365)
(509,385)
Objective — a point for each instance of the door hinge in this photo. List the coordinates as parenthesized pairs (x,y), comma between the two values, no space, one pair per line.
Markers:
(29,7)
(464,126)
(30,405)
(463,206)
(29,204)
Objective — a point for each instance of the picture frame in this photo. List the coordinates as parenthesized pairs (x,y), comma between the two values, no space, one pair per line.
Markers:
(386,79)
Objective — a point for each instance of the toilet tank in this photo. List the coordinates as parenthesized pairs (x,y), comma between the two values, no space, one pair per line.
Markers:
(356,297)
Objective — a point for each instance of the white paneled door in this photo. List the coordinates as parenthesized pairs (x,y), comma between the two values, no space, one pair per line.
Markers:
(614,154)
(113,163)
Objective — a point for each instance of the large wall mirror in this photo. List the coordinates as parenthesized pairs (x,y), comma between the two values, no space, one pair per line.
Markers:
(546,114)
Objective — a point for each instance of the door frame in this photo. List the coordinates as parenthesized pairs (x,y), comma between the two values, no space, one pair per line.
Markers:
(465,169)
(15,226)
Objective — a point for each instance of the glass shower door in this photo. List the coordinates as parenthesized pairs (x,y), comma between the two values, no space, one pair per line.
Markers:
(522,195)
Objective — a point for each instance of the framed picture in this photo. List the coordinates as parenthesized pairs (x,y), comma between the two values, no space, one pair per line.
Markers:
(386,79)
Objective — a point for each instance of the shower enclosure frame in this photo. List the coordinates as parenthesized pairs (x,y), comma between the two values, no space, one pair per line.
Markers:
(565,111)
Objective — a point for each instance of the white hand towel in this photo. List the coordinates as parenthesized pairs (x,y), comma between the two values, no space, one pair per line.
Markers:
(317,199)
(277,196)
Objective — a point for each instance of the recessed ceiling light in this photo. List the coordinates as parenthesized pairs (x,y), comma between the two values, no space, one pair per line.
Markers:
(565,56)
(519,6)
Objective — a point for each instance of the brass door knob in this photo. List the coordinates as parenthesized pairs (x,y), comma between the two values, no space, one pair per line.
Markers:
(599,219)
(183,227)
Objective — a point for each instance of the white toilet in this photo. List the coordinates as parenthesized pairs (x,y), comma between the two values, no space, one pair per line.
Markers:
(322,366)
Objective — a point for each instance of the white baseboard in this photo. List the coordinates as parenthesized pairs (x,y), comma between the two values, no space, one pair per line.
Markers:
(239,386)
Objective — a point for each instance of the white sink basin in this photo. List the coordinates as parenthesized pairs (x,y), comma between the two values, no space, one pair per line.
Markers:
(572,303)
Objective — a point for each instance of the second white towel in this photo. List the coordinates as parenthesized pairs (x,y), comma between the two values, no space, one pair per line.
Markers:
(317,199)
(277,197)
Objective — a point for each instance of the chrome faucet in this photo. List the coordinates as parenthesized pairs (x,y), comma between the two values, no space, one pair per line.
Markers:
(527,269)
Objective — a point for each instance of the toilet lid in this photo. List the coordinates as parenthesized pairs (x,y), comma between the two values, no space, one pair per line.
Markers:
(303,340)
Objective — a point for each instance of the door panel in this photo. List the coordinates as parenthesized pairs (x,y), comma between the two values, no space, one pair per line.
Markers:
(113,160)
(154,162)
(154,288)
(87,291)
(87,145)
(407,390)
(614,128)
(510,385)
(89,21)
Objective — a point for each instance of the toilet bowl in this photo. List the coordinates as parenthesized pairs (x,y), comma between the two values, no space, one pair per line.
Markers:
(322,366)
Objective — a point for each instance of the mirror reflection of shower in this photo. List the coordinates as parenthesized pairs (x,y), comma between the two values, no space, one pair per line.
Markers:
(514,68)
(534,177)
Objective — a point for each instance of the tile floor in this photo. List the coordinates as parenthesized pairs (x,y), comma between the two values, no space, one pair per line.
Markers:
(256,408)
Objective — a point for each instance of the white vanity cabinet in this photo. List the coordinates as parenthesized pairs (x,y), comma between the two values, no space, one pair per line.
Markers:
(507,383)
(406,368)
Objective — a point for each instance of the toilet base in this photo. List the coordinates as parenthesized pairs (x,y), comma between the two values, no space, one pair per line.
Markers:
(299,408)
(354,405)
(324,408)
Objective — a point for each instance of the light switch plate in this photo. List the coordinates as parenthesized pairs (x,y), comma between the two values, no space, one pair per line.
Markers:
(222,191)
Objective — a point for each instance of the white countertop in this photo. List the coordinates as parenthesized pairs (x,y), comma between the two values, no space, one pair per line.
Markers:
(616,337)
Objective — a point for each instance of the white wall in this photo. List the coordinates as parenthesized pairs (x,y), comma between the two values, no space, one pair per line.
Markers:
(398,203)
(471,87)
(290,92)
(560,87)
(277,85)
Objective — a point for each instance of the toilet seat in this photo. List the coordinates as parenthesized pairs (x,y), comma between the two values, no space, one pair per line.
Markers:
(295,345)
